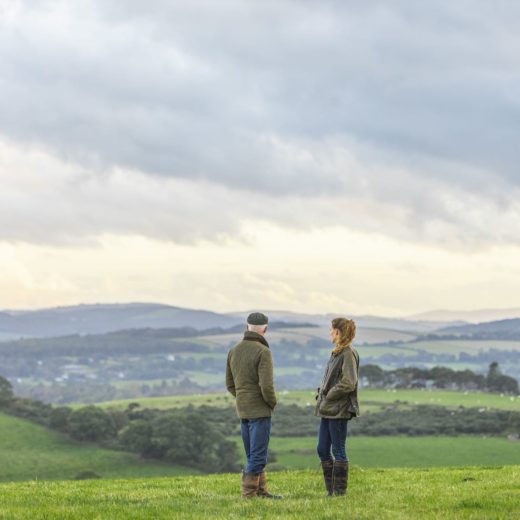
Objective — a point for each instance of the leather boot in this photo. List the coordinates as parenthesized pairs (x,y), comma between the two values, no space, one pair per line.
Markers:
(262,487)
(326,466)
(340,477)
(250,483)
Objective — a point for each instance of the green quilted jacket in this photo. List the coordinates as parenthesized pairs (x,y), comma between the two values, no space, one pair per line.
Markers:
(249,377)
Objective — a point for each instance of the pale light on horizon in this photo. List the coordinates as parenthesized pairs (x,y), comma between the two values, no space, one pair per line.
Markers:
(320,271)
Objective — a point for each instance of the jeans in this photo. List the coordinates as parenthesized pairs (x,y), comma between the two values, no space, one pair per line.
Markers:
(332,435)
(255,436)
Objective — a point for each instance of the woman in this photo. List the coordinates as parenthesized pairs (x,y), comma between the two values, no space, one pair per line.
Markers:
(337,402)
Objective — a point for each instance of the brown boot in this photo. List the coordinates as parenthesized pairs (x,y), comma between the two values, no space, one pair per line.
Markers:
(327,466)
(262,488)
(340,476)
(250,483)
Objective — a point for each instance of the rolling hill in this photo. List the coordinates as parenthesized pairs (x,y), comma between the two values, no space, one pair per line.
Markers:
(103,318)
(503,329)
(31,452)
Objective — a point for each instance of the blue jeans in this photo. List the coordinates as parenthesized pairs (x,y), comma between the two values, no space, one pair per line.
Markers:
(255,436)
(332,436)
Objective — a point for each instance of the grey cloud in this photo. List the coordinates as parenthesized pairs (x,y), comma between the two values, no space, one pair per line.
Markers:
(194,89)
(404,105)
(46,201)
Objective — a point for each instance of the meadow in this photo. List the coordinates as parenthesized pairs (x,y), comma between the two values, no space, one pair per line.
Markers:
(405,452)
(31,452)
(371,399)
(461,493)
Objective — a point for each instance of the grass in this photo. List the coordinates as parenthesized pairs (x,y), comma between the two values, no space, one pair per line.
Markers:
(442,398)
(29,451)
(371,452)
(371,399)
(462,493)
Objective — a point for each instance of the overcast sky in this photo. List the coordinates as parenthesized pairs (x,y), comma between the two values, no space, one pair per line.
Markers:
(331,156)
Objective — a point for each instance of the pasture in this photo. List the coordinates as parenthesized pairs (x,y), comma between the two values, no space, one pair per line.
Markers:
(454,493)
(31,452)
(410,452)
(371,399)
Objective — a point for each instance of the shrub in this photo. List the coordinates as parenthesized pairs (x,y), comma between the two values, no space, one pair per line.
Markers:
(91,423)
(86,474)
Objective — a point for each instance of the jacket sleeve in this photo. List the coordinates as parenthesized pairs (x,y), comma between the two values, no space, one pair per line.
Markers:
(265,378)
(230,382)
(348,380)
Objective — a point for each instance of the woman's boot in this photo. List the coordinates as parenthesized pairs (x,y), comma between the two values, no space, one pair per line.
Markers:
(327,466)
(340,477)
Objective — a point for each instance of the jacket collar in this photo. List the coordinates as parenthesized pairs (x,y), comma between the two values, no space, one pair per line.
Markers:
(254,336)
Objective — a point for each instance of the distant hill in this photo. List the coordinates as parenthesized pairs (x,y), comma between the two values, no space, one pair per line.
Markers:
(475,316)
(146,340)
(502,329)
(372,322)
(103,318)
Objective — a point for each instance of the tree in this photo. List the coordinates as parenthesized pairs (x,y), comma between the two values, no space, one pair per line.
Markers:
(6,391)
(58,419)
(373,373)
(494,371)
(91,423)
(183,437)
(498,382)
(186,439)
(137,437)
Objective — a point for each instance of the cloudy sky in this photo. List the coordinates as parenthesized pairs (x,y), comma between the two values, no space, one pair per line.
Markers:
(342,156)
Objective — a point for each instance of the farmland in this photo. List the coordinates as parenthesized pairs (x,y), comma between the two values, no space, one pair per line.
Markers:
(416,452)
(371,399)
(32,452)
(135,364)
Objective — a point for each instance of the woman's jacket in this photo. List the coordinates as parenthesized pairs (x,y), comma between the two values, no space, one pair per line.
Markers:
(337,396)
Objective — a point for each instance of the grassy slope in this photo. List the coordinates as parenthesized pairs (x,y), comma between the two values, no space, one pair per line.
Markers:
(380,494)
(29,451)
(368,397)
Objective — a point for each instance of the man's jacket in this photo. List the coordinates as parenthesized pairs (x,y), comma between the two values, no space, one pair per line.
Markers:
(249,377)
(337,396)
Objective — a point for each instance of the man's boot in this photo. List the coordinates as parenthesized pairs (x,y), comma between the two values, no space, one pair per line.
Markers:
(340,477)
(326,466)
(262,487)
(250,483)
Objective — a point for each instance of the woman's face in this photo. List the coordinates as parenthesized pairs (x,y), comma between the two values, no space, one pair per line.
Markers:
(334,334)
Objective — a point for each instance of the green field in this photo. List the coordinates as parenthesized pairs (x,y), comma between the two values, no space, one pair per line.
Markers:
(463,493)
(413,452)
(371,399)
(30,452)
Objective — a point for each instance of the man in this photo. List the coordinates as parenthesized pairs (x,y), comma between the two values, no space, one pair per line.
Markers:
(249,377)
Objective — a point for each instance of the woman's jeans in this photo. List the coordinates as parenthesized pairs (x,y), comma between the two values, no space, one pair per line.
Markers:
(332,436)
(255,436)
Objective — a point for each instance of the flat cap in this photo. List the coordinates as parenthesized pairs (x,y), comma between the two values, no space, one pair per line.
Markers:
(257,318)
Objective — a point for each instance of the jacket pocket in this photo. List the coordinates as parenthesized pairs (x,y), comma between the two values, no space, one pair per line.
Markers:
(329,407)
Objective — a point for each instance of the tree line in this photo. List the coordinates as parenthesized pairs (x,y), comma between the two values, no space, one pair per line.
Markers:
(440,377)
